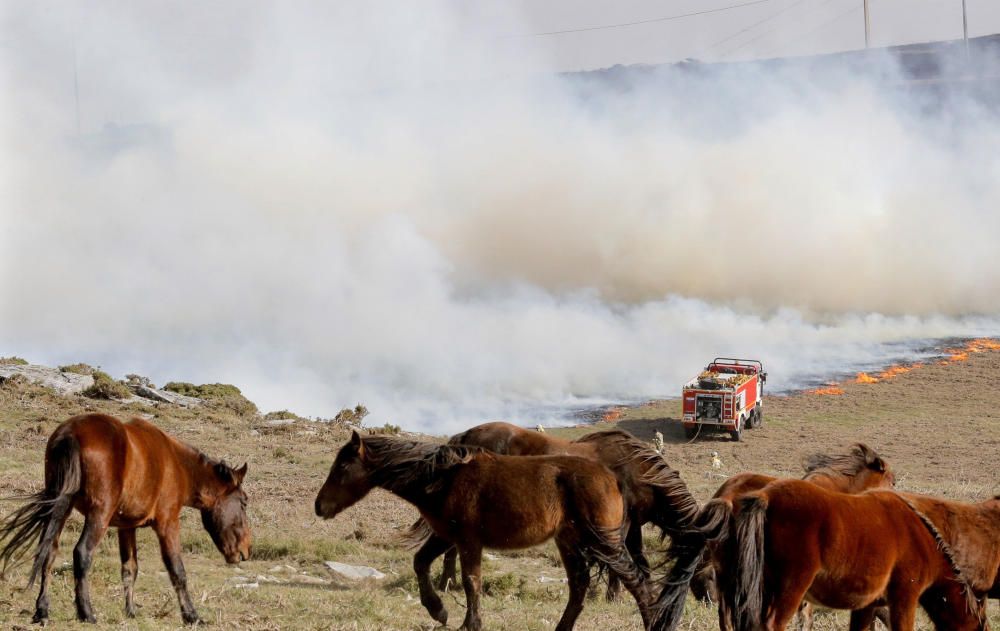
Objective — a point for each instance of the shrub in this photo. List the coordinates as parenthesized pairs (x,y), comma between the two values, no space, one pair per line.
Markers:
(13,360)
(347,416)
(282,415)
(218,395)
(138,380)
(79,369)
(503,585)
(106,388)
(388,428)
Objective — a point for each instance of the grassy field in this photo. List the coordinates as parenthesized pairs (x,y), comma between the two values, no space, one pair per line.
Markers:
(937,425)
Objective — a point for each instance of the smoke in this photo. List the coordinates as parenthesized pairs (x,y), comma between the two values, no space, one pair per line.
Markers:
(327,205)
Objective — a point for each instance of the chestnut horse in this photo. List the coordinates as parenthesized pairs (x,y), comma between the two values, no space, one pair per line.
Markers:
(794,540)
(854,472)
(653,491)
(971,532)
(475,499)
(126,475)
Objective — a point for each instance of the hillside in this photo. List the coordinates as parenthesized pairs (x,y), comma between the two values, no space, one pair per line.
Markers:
(937,425)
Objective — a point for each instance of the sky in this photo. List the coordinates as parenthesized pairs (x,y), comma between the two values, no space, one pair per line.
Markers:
(793,27)
(402,205)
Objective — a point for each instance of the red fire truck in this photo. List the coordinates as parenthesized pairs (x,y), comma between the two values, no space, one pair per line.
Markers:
(727,395)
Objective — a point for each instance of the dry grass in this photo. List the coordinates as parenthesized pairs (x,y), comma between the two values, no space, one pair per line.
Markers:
(937,426)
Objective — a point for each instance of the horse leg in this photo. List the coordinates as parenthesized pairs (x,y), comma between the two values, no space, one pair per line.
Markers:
(422,560)
(130,566)
(169,533)
(448,570)
(578,574)
(55,529)
(902,608)
(862,619)
(633,542)
(94,527)
(787,598)
(472,559)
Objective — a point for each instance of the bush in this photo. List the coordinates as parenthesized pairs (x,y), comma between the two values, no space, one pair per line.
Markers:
(503,585)
(347,416)
(79,369)
(388,428)
(13,360)
(282,415)
(138,380)
(106,388)
(218,395)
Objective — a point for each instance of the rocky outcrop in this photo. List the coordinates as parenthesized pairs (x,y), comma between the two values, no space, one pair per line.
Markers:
(164,396)
(61,382)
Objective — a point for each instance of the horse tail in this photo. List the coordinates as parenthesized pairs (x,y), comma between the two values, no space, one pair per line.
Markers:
(417,534)
(687,549)
(44,512)
(744,592)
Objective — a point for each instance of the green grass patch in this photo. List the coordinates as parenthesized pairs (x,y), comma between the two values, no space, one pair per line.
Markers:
(106,388)
(78,369)
(13,360)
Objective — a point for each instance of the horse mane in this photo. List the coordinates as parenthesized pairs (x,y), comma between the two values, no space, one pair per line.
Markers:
(848,465)
(970,597)
(400,463)
(658,474)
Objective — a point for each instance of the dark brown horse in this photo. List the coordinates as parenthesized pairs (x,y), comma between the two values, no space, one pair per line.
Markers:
(474,499)
(126,475)
(854,472)
(793,540)
(654,492)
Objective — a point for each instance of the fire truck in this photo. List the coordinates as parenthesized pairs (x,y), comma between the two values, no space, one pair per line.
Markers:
(727,395)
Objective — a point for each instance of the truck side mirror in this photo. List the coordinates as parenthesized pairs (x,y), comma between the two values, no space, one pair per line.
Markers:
(763,377)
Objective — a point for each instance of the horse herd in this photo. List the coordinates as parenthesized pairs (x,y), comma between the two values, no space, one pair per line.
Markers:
(763,549)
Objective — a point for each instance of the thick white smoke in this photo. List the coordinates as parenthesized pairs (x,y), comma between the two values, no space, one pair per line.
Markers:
(333,205)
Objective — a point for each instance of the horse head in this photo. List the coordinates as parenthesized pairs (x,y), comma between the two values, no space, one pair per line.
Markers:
(876,472)
(349,479)
(225,519)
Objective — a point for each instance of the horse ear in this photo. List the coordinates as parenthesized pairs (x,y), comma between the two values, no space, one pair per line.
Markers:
(240,474)
(872,460)
(224,473)
(359,444)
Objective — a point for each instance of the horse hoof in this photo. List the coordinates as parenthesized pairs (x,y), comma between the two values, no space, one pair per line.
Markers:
(88,618)
(40,617)
(192,619)
(441,616)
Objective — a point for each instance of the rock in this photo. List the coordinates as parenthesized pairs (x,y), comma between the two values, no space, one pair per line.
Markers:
(355,572)
(310,579)
(61,382)
(165,396)
(547,579)
(279,422)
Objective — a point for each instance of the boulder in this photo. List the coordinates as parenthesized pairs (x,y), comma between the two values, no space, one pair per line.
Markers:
(61,382)
(165,396)
(355,572)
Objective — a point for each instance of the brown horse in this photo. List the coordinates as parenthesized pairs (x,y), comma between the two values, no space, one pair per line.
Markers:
(654,493)
(126,475)
(854,472)
(474,499)
(971,532)
(794,540)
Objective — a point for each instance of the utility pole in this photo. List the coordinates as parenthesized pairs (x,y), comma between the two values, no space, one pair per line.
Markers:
(868,24)
(965,31)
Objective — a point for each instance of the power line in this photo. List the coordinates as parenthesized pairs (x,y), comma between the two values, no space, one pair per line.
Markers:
(754,25)
(650,21)
(772,29)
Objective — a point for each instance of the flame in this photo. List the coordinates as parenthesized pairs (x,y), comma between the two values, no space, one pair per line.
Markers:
(980,345)
(864,377)
(612,415)
(829,390)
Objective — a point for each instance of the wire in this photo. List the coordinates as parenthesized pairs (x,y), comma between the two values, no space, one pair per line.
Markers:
(650,21)
(771,30)
(754,25)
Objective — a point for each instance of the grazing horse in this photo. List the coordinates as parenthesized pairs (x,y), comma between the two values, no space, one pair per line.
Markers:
(793,540)
(653,491)
(475,499)
(971,532)
(854,472)
(126,475)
